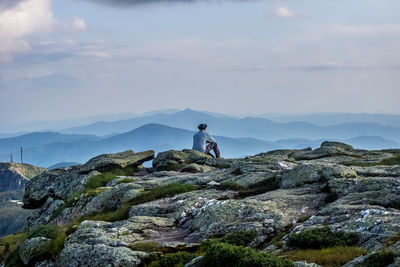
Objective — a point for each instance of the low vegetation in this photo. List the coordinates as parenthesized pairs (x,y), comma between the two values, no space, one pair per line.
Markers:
(379,259)
(319,238)
(174,259)
(9,243)
(222,254)
(49,252)
(241,238)
(45,230)
(327,257)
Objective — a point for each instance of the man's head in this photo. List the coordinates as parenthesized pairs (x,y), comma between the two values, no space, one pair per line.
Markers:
(202,127)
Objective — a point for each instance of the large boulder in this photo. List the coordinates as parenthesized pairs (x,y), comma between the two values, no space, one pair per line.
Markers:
(33,248)
(328,149)
(174,160)
(109,162)
(76,255)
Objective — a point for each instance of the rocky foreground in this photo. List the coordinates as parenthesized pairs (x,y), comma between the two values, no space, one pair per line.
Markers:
(114,212)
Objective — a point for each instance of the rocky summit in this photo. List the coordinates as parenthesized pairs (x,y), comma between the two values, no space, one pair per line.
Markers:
(275,207)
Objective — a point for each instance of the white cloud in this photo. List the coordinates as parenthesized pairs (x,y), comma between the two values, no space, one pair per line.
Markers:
(284,12)
(28,17)
(79,24)
(25,18)
(387,29)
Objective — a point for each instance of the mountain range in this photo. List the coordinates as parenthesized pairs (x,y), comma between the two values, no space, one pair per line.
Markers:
(254,127)
(173,130)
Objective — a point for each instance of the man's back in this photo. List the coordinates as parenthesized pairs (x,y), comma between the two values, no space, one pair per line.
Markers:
(200,139)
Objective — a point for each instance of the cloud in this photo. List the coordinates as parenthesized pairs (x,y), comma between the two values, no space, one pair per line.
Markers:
(283,12)
(126,3)
(23,18)
(20,20)
(388,29)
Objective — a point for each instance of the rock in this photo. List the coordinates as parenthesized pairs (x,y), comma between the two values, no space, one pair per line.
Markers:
(300,175)
(328,149)
(57,184)
(33,248)
(276,192)
(196,168)
(76,255)
(173,160)
(109,162)
(305,264)
(45,264)
(112,198)
(195,262)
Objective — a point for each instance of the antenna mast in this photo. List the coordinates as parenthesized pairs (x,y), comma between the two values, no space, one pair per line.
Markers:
(21,156)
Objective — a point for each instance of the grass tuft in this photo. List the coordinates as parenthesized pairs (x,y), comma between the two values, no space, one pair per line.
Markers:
(44,230)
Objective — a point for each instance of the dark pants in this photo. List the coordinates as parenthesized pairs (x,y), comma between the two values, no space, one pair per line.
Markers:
(213,146)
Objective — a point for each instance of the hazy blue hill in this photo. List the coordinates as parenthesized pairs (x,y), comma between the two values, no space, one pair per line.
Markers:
(40,138)
(151,136)
(372,142)
(328,119)
(63,164)
(259,128)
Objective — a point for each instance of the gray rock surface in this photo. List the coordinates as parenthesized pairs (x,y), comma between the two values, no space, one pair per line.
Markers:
(283,191)
(109,162)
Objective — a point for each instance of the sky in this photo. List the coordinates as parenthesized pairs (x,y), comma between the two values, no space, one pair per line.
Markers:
(78,58)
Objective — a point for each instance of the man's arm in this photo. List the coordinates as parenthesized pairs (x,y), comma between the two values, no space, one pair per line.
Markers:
(209,138)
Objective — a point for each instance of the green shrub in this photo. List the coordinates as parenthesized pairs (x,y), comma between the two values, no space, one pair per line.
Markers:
(222,254)
(44,230)
(322,238)
(336,256)
(380,259)
(176,259)
(241,238)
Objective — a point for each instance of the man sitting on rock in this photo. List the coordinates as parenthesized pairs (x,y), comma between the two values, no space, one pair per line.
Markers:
(204,142)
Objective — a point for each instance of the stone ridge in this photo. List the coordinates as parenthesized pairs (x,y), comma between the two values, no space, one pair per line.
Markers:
(282,191)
